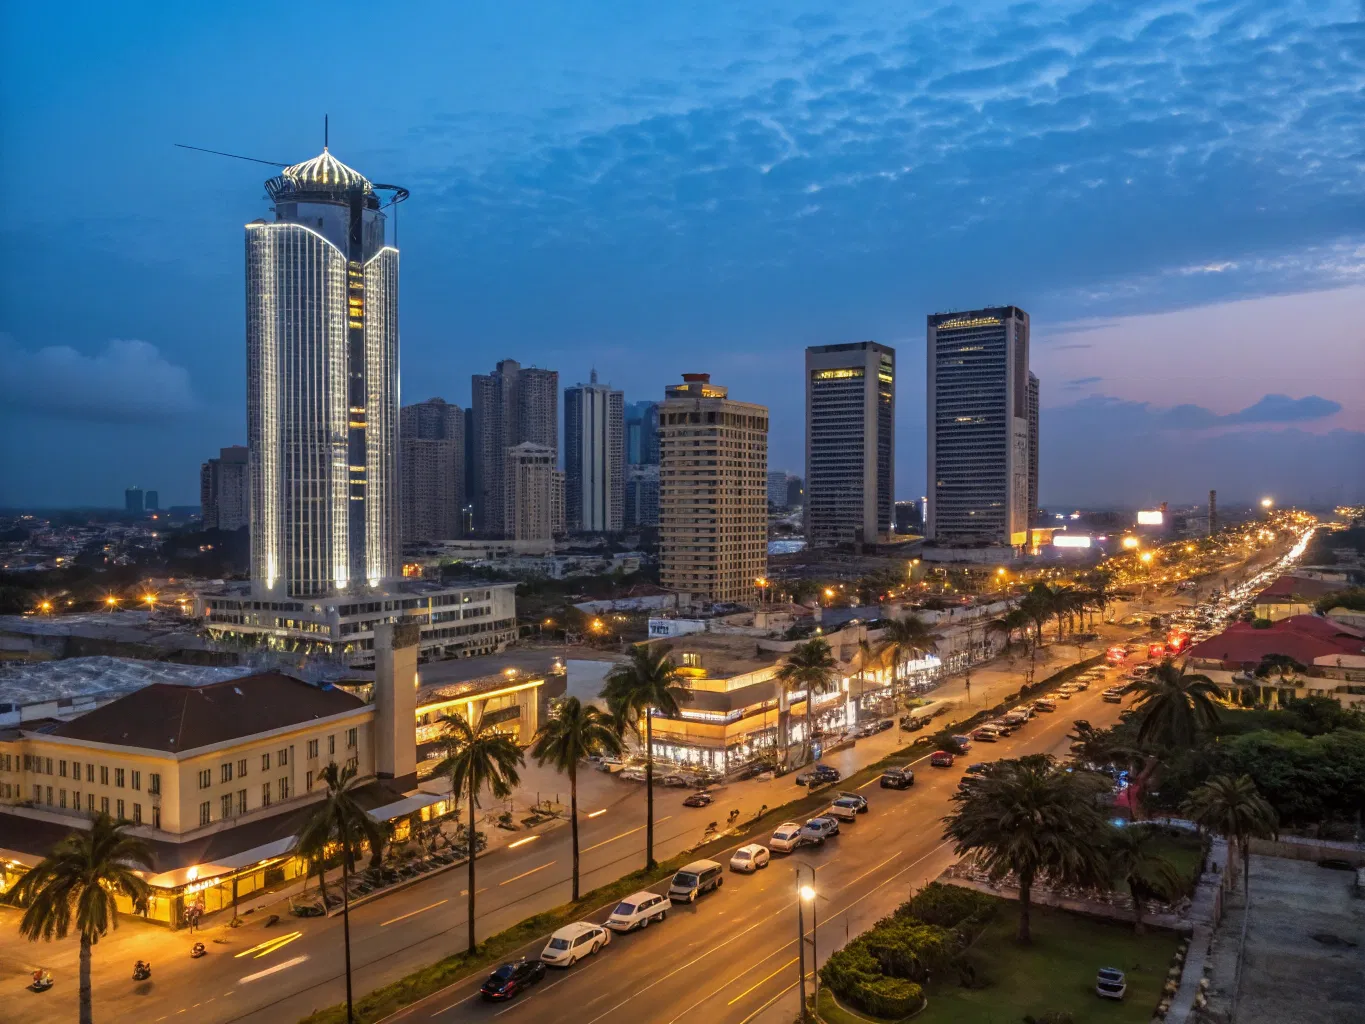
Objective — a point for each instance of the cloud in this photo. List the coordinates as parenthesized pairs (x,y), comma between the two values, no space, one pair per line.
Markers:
(1283,409)
(1143,417)
(128,382)
(1081,382)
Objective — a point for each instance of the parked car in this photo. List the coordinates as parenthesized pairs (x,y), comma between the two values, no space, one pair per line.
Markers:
(817,830)
(1110,983)
(750,858)
(1016,719)
(941,759)
(985,734)
(897,778)
(1082,725)
(786,837)
(818,775)
(573,942)
(860,801)
(912,724)
(676,781)
(695,879)
(1112,696)
(1081,683)
(637,911)
(633,775)
(964,743)
(701,798)
(610,764)
(1002,727)
(845,809)
(1045,706)
(510,978)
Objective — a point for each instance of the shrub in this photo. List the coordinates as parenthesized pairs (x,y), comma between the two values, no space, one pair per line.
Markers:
(893,998)
(905,948)
(948,906)
(1051,1017)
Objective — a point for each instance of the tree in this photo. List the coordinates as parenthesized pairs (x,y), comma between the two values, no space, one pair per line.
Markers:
(1235,809)
(904,638)
(340,819)
(477,757)
(865,655)
(1176,706)
(646,685)
(573,732)
(1032,817)
(1135,857)
(809,667)
(80,877)
(1282,666)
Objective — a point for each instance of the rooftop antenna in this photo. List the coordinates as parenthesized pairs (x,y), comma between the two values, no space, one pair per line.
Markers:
(326,132)
(235,156)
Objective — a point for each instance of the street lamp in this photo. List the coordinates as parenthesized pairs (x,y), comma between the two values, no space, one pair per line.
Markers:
(806,894)
(1267,504)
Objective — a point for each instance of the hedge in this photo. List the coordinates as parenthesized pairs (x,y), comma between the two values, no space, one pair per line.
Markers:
(949,906)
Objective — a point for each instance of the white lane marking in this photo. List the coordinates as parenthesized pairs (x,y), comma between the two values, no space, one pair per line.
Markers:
(622,835)
(412,913)
(273,970)
(516,878)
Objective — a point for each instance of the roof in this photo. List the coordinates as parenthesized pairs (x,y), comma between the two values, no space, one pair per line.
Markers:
(71,679)
(327,172)
(1305,638)
(178,718)
(1288,589)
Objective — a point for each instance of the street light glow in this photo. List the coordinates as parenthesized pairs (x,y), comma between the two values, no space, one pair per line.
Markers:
(1130,542)
(807,893)
(1266,503)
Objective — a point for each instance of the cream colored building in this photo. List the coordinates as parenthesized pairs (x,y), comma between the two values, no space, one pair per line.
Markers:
(713,492)
(534,493)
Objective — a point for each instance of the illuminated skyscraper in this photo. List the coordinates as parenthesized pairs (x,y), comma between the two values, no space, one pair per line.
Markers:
(322,392)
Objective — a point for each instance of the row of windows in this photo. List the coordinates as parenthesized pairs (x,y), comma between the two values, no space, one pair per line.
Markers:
(123,778)
(116,808)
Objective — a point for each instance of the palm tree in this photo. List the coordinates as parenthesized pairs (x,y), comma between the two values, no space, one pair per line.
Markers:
(809,667)
(865,655)
(1136,858)
(573,732)
(82,874)
(1235,809)
(1176,706)
(646,685)
(477,757)
(1032,817)
(339,819)
(1281,665)
(904,638)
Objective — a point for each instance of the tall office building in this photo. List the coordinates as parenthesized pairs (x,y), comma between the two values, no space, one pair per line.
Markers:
(642,497)
(431,467)
(534,493)
(594,458)
(510,406)
(777,489)
(642,434)
(796,492)
(1033,518)
(322,389)
(713,493)
(978,444)
(850,443)
(132,501)
(224,489)
(151,501)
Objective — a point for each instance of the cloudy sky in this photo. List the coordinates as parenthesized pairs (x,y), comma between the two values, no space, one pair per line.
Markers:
(1173,191)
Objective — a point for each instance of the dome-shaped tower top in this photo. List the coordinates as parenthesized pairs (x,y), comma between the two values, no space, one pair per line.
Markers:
(324,175)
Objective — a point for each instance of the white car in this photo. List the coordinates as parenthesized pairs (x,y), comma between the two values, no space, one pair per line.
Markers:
(817,830)
(786,837)
(573,942)
(750,858)
(638,911)
(846,808)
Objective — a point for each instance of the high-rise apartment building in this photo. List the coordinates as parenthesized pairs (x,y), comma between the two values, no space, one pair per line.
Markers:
(534,493)
(978,419)
(151,501)
(510,406)
(642,497)
(713,507)
(594,458)
(850,443)
(642,434)
(431,467)
(777,489)
(1033,518)
(322,389)
(132,501)
(796,492)
(224,490)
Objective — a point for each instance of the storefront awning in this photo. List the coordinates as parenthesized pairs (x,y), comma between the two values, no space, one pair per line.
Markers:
(407,805)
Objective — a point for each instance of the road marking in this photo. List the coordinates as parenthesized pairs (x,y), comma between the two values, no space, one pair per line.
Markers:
(526,873)
(465,892)
(269,946)
(628,832)
(522,842)
(272,970)
(875,778)
(769,1002)
(414,913)
(758,983)
(569,973)
(456,1003)
(595,814)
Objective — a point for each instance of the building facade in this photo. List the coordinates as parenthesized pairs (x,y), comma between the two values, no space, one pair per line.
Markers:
(713,507)
(642,497)
(1033,510)
(534,491)
(132,501)
(978,427)
(642,433)
(511,405)
(850,443)
(594,458)
(322,388)
(431,465)
(224,490)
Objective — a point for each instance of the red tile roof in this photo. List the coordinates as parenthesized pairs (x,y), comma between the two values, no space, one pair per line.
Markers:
(1287,588)
(1305,638)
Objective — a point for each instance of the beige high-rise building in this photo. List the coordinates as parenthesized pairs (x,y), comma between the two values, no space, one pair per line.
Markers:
(431,469)
(713,492)
(534,490)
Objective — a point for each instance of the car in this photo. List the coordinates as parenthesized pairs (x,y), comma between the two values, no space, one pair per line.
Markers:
(573,942)
(695,879)
(638,911)
(941,759)
(1045,706)
(964,743)
(701,798)
(511,977)
(857,798)
(633,775)
(985,734)
(1112,696)
(1002,727)
(610,764)
(676,781)
(821,774)
(817,830)
(786,837)
(897,778)
(846,808)
(1083,725)
(1080,684)
(1015,718)
(750,858)
(1062,692)
(1110,983)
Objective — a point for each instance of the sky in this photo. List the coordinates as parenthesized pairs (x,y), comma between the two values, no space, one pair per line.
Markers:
(1172,191)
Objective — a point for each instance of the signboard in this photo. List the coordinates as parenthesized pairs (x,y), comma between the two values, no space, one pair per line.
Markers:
(1150,517)
(1070,540)
(507,714)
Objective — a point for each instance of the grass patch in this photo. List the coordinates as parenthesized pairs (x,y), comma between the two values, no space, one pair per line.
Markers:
(832,1012)
(1055,972)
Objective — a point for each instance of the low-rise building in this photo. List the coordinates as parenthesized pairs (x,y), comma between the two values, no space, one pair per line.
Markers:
(1292,595)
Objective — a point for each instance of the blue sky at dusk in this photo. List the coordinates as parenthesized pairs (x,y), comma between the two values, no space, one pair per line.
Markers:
(1173,191)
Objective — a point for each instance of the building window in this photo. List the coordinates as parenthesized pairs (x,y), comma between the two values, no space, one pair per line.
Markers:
(308,782)
(265,794)
(89,773)
(353,763)
(241,801)
(61,769)
(206,778)
(331,745)
(225,771)
(205,813)
(137,780)
(283,757)
(137,814)
(118,777)
(120,810)
(241,768)
(351,737)
(104,775)
(156,816)
(76,770)
(90,802)
(104,805)
(61,799)
(154,783)
(76,799)
(312,748)
(265,762)
(49,766)
(37,794)
(284,788)
(225,803)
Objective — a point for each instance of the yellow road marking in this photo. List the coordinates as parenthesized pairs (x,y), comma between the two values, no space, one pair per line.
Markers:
(414,913)
(758,983)
(525,873)
(622,835)
(269,946)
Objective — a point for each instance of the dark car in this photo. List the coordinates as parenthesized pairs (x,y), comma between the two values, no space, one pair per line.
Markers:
(699,799)
(910,724)
(972,773)
(818,775)
(897,778)
(941,759)
(511,978)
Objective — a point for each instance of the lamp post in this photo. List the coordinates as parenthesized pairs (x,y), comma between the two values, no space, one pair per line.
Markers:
(806,894)
(801,940)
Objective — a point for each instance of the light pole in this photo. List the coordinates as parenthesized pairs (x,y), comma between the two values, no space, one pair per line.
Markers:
(801,891)
(807,894)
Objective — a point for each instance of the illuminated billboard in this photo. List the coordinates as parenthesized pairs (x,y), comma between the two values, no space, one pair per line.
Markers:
(1070,540)
(1152,517)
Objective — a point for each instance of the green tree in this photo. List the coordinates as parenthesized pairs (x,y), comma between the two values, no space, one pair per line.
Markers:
(1135,857)
(1235,809)
(1032,817)
(809,667)
(572,733)
(1176,706)
(646,685)
(477,757)
(80,878)
(1352,599)
(341,820)
(904,639)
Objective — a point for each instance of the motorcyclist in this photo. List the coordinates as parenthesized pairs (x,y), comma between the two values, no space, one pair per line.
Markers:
(142,967)
(42,979)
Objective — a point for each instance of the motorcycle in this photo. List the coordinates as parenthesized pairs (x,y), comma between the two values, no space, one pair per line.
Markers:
(142,971)
(198,950)
(42,981)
